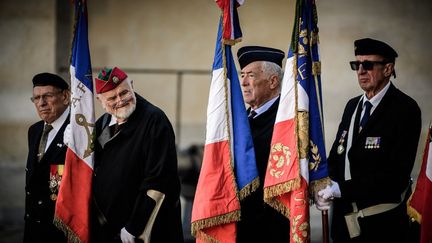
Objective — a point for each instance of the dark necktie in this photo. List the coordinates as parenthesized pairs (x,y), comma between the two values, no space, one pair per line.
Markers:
(366,115)
(252,114)
(43,141)
(115,129)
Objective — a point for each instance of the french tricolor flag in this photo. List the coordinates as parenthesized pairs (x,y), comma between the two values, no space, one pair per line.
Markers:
(297,163)
(72,213)
(228,172)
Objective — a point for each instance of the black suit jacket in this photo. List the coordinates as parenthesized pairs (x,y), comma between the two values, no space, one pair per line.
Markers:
(39,207)
(259,221)
(381,172)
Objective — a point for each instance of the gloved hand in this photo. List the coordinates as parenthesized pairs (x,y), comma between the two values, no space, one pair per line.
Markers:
(126,237)
(67,135)
(331,191)
(321,203)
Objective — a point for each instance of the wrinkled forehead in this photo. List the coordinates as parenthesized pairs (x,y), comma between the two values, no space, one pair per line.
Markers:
(120,88)
(253,67)
(369,58)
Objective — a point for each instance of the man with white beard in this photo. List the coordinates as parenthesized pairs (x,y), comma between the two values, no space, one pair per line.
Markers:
(135,184)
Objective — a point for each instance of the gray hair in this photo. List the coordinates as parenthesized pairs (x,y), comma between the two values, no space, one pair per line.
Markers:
(270,68)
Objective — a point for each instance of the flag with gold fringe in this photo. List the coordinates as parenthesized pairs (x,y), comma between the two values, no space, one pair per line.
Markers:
(419,204)
(228,172)
(72,213)
(297,160)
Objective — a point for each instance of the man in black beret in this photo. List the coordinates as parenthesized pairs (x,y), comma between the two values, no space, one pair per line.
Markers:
(261,77)
(46,158)
(373,154)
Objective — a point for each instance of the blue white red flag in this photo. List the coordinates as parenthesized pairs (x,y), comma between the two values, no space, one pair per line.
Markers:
(72,213)
(419,204)
(297,156)
(228,172)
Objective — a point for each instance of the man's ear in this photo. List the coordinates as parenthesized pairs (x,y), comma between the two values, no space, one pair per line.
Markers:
(274,81)
(388,69)
(67,97)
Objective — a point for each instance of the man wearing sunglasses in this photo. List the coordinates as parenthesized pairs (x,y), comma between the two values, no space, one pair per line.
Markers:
(46,157)
(373,154)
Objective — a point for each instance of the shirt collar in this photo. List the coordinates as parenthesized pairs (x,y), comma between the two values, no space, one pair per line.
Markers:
(265,107)
(377,98)
(57,124)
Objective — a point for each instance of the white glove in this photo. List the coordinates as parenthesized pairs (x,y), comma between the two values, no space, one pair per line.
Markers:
(126,237)
(67,135)
(321,203)
(331,191)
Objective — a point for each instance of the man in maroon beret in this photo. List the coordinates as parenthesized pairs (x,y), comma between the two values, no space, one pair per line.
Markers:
(373,154)
(46,157)
(135,185)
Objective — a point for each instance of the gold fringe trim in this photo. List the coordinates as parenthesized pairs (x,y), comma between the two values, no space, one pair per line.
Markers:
(71,236)
(279,206)
(231,42)
(197,226)
(318,185)
(282,188)
(249,188)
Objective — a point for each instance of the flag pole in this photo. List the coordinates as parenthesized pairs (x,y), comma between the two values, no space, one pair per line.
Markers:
(325,228)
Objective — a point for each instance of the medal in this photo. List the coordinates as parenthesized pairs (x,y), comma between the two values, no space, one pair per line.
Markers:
(340,149)
(56,172)
(373,142)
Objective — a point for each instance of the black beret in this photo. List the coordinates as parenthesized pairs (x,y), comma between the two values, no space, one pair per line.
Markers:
(248,54)
(368,46)
(44,79)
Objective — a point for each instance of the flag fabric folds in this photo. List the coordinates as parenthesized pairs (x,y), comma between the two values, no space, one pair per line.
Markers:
(419,204)
(72,213)
(297,157)
(228,172)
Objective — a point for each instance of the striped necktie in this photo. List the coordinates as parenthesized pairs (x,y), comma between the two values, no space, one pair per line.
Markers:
(43,141)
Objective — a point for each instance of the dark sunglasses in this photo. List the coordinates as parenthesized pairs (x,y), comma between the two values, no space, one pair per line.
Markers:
(367,65)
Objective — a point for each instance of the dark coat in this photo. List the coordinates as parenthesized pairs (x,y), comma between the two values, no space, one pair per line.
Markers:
(39,207)
(259,221)
(379,174)
(140,157)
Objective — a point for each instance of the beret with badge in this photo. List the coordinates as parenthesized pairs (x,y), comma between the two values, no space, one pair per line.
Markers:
(249,54)
(108,79)
(368,46)
(44,79)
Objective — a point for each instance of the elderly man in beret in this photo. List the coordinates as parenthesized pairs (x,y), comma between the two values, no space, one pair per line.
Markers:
(46,157)
(373,154)
(261,77)
(135,186)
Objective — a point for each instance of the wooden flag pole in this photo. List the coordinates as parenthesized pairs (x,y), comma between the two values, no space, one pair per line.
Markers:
(325,228)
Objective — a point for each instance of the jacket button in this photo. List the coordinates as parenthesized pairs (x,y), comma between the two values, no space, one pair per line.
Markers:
(38,221)
(40,202)
(27,215)
(27,192)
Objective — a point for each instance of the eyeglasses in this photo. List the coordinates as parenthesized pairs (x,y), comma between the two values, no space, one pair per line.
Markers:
(46,97)
(367,65)
(125,95)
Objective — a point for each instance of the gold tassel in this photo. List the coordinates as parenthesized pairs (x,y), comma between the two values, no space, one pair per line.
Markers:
(282,188)
(249,188)
(70,235)
(197,226)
